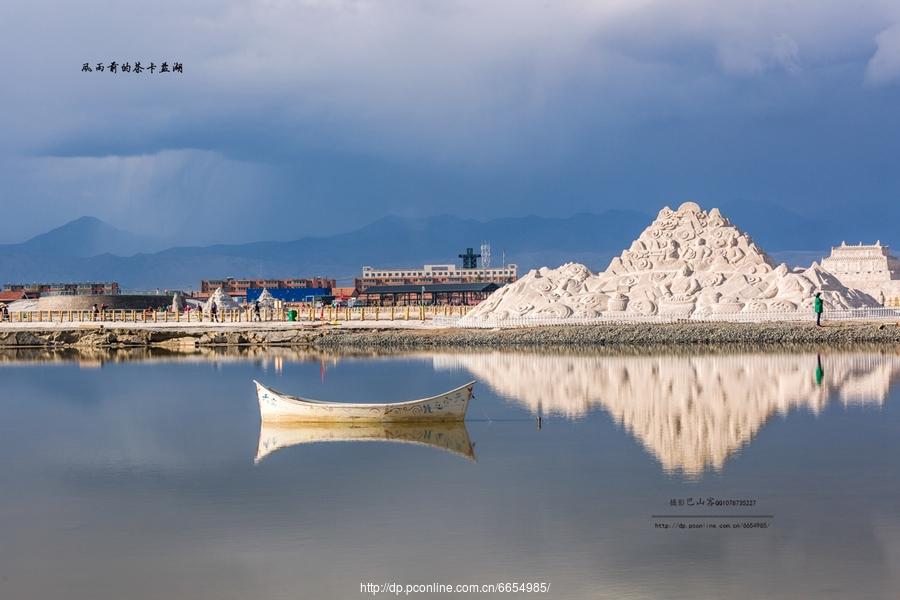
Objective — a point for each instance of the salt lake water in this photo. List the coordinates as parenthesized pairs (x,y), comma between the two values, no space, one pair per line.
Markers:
(149,476)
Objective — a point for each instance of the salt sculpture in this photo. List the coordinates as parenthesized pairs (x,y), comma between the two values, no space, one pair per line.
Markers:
(870,268)
(222,301)
(178,303)
(266,299)
(688,262)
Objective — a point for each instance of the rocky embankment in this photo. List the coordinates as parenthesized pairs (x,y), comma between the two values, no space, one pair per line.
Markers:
(125,337)
(682,335)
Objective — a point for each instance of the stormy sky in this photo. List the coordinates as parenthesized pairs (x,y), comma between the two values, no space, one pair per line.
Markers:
(296,117)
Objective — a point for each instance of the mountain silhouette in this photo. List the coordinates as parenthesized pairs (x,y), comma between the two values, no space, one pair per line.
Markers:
(84,237)
(90,249)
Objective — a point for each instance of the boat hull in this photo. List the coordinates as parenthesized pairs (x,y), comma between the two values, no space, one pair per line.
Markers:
(277,407)
(450,436)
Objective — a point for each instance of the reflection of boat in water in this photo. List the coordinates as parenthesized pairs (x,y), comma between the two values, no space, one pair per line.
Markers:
(450,436)
(278,407)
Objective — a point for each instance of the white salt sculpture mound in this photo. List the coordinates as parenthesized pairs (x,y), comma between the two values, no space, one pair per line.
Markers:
(687,262)
(266,299)
(178,303)
(222,301)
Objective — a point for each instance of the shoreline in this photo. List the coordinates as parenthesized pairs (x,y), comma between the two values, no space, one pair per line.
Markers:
(379,336)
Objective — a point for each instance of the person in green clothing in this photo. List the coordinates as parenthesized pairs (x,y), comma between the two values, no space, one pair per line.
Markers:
(818,306)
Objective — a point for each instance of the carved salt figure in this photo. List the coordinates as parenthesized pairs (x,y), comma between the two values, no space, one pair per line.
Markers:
(733,253)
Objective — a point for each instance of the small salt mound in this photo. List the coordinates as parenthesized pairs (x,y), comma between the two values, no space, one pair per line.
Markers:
(687,262)
(222,301)
(266,299)
(178,302)
(26,305)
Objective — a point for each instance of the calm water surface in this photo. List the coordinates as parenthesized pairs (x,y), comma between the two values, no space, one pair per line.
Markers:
(152,478)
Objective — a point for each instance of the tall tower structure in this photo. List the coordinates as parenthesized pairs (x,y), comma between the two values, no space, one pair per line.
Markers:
(470,259)
(485,255)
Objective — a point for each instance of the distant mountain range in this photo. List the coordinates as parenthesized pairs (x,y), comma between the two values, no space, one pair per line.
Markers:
(89,249)
(82,238)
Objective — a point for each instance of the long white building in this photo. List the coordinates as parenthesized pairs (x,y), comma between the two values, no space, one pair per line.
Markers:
(431,274)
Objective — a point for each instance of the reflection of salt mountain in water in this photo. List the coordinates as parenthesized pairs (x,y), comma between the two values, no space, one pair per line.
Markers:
(691,412)
(452,437)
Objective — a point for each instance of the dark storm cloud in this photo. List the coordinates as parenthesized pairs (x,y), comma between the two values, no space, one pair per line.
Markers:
(337,112)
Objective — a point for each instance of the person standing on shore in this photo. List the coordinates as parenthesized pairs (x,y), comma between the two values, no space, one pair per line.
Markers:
(256,316)
(214,313)
(818,306)
(4,313)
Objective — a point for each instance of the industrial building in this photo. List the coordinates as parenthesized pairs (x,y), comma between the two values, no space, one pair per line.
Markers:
(457,294)
(291,294)
(33,290)
(12,296)
(469,273)
(237,288)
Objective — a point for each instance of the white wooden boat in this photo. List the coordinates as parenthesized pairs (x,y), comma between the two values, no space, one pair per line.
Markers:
(451,436)
(277,407)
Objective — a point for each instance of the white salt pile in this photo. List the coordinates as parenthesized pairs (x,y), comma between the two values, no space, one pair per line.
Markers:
(178,303)
(222,301)
(266,299)
(688,262)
